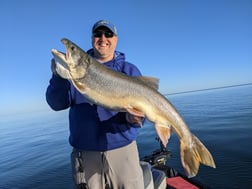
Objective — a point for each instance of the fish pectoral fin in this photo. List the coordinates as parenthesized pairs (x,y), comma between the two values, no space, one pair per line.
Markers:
(135,111)
(194,154)
(164,132)
(79,86)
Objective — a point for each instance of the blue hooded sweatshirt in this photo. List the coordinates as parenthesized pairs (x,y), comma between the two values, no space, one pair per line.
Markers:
(93,127)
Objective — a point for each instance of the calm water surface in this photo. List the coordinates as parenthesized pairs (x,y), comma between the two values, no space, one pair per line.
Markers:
(34,149)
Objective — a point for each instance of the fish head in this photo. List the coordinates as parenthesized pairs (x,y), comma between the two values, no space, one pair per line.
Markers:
(72,64)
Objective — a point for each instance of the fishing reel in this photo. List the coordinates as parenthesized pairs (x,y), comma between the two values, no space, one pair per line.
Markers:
(158,157)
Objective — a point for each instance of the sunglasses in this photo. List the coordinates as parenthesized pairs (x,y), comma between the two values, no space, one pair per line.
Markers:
(108,34)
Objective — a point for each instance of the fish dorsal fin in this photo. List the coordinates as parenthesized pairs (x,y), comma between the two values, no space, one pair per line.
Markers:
(150,81)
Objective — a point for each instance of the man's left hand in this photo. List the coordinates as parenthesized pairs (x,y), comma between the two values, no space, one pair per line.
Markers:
(134,119)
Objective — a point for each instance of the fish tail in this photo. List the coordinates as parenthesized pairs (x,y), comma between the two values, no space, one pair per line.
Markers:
(194,154)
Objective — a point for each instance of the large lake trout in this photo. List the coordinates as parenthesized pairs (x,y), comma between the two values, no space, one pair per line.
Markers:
(136,95)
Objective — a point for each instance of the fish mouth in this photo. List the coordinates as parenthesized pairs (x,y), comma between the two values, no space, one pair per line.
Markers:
(60,58)
(66,44)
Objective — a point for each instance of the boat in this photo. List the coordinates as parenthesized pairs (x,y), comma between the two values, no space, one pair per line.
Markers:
(158,175)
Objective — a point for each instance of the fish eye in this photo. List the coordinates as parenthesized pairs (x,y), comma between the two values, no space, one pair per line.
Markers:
(72,48)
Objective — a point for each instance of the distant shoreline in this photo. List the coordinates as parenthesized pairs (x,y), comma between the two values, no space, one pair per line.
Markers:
(198,90)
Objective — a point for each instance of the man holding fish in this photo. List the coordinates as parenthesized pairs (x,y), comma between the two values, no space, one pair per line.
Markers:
(104,142)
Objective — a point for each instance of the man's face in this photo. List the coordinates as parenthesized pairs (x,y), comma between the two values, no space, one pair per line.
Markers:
(104,43)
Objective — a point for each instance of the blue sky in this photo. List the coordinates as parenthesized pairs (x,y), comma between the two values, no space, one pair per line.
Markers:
(189,45)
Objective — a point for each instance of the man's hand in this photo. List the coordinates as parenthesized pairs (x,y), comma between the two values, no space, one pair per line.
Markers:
(134,119)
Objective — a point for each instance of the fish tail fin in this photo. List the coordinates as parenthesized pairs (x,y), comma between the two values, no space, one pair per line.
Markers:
(194,154)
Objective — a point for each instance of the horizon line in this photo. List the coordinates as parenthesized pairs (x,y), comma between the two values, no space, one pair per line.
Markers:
(213,88)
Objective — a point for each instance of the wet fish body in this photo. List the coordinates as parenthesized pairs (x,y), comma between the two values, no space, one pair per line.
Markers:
(136,95)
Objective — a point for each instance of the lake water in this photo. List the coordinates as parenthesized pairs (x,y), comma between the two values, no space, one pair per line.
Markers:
(34,149)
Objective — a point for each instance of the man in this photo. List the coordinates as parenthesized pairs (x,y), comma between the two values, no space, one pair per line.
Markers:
(104,153)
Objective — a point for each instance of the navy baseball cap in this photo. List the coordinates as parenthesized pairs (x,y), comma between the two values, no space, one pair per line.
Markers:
(105,23)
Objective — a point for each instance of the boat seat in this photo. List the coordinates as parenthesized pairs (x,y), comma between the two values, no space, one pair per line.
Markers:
(153,178)
(159,178)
